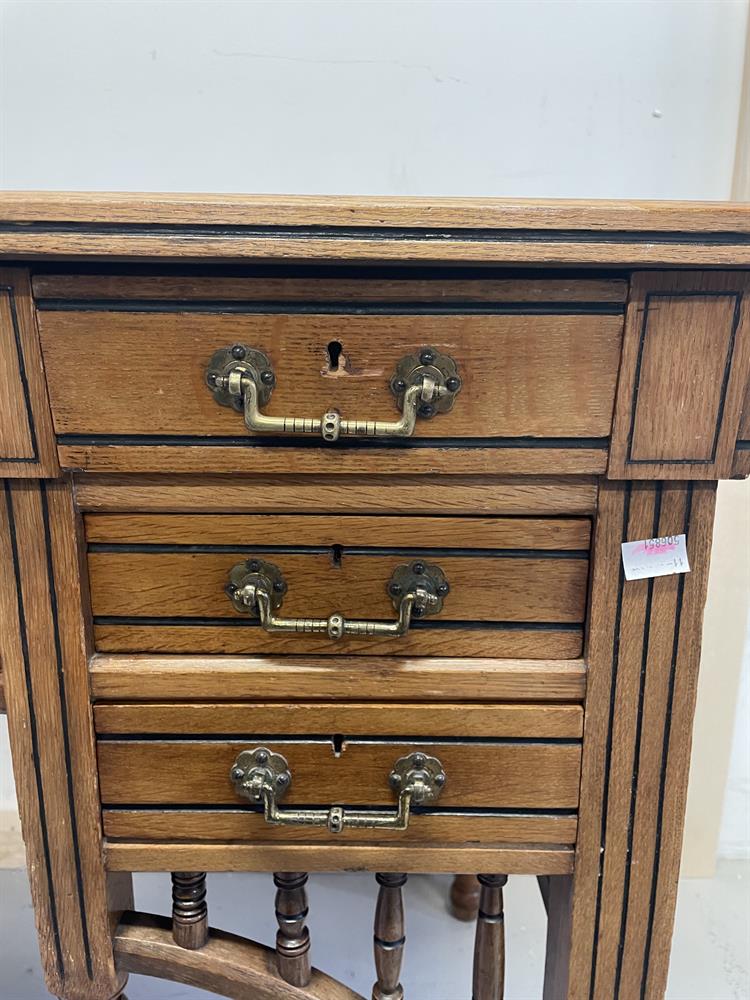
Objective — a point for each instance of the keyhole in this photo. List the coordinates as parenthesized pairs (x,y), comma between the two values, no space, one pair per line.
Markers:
(334,353)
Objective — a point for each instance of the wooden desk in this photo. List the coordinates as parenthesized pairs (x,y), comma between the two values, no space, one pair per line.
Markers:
(311,545)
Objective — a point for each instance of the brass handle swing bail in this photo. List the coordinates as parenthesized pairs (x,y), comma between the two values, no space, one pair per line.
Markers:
(263,776)
(242,377)
(257,587)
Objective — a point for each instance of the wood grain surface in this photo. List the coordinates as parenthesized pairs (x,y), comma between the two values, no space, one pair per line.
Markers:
(643,654)
(590,250)
(469,229)
(741,465)
(363,210)
(233,966)
(369,494)
(364,719)
(516,859)
(515,457)
(27,441)
(685,366)
(49,719)
(483,588)
(500,492)
(333,284)
(241,826)
(514,641)
(389,936)
(185,772)
(439,678)
(744,428)
(145,599)
(523,376)
(350,530)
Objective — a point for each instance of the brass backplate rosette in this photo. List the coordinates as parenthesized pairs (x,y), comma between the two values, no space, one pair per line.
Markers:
(428,362)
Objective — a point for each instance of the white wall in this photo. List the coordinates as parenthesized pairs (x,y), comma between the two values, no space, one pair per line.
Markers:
(618,99)
(734,840)
(598,99)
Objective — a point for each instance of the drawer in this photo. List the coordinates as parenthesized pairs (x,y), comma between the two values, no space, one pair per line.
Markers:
(507,586)
(536,359)
(511,771)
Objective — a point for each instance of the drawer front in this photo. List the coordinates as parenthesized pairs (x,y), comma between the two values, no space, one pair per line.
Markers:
(511,772)
(515,586)
(535,359)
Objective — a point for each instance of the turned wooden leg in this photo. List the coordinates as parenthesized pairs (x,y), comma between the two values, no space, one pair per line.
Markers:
(293,937)
(189,910)
(489,945)
(464,897)
(389,937)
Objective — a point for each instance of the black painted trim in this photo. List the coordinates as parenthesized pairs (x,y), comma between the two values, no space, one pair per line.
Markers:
(491,813)
(436,551)
(380,234)
(737,296)
(646,642)
(317,444)
(33,459)
(609,747)
(390,945)
(338,308)
(743,446)
(34,735)
(448,625)
(325,739)
(60,666)
(665,752)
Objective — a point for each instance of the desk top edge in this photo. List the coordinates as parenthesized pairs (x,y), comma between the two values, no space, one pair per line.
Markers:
(183,209)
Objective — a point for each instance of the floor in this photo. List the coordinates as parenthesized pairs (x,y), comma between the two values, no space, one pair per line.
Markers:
(711,957)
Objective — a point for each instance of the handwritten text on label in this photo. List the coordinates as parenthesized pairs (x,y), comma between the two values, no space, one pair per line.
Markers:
(651,557)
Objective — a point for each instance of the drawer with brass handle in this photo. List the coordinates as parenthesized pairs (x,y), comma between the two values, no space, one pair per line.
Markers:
(232,583)
(267,373)
(514,770)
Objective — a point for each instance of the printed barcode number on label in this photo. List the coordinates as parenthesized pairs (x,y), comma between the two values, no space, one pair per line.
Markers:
(655,557)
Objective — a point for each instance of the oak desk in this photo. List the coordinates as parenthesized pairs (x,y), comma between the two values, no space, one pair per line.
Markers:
(310,544)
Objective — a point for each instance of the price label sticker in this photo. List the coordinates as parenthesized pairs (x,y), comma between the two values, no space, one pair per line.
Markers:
(655,557)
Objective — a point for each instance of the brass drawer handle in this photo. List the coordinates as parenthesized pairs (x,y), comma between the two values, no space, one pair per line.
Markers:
(424,384)
(263,776)
(257,587)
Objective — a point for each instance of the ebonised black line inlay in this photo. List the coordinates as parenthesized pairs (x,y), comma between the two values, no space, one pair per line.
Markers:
(332,308)
(646,641)
(610,730)
(33,459)
(54,614)
(316,444)
(243,622)
(651,296)
(381,234)
(339,552)
(665,750)
(34,734)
